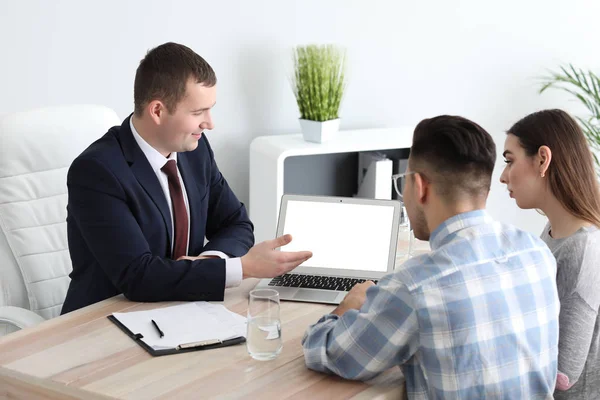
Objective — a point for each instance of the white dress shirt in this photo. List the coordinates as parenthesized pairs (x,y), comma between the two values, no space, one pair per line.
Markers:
(233,266)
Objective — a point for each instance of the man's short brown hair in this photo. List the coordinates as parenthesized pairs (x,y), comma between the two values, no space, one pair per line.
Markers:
(163,75)
(456,153)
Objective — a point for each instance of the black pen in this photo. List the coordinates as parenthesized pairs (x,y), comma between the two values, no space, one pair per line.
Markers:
(157,328)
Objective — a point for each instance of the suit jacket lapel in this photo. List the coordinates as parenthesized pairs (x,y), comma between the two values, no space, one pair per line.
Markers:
(145,175)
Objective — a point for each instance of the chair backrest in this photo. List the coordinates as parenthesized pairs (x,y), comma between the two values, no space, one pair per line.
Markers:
(36,150)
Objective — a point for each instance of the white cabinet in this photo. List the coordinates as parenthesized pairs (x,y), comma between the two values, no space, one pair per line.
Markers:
(288,164)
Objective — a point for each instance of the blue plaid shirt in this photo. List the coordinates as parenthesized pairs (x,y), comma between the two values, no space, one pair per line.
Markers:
(475,318)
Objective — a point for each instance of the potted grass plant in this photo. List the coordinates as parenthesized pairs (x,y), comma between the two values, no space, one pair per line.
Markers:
(318,83)
(585,86)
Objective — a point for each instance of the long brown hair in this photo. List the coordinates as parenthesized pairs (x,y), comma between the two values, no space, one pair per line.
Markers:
(571,174)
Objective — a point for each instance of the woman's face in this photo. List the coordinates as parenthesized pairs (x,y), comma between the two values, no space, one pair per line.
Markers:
(522,175)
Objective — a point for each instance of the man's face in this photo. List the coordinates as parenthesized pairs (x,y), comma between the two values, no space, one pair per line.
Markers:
(415,211)
(181,130)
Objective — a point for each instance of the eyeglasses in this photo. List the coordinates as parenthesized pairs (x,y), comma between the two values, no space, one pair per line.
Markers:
(395,179)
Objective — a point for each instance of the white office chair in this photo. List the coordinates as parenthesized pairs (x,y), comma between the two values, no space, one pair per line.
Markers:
(36,150)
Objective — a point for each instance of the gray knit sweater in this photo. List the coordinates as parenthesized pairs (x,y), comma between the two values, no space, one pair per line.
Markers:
(578,283)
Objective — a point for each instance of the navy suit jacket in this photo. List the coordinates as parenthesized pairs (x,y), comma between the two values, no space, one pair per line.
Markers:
(119,225)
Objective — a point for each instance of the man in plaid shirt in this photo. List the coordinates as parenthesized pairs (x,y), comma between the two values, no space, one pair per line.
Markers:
(475,318)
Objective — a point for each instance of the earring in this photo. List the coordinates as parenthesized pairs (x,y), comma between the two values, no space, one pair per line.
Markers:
(542,174)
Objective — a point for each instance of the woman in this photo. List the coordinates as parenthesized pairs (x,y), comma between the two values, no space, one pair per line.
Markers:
(550,167)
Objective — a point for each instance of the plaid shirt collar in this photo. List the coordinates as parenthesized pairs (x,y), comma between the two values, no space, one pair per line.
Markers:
(444,233)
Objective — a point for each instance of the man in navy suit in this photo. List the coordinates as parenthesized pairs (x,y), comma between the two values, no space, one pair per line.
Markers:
(143,198)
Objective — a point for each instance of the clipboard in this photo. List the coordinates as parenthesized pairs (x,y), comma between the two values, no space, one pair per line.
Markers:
(184,348)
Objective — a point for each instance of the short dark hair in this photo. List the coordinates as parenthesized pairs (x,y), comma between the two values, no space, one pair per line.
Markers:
(164,72)
(455,153)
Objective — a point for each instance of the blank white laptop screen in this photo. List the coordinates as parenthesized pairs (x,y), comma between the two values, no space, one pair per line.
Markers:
(340,235)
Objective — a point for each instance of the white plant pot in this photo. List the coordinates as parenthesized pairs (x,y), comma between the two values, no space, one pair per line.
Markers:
(319,132)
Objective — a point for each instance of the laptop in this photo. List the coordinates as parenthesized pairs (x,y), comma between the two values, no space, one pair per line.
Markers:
(352,240)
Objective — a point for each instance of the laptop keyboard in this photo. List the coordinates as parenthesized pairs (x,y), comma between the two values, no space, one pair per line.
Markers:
(316,282)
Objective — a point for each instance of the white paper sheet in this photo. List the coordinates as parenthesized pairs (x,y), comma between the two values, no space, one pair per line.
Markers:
(185,323)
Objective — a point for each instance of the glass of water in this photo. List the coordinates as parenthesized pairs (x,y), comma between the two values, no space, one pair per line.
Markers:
(263,339)
(405,239)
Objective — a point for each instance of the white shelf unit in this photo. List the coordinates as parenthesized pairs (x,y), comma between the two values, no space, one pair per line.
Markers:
(268,170)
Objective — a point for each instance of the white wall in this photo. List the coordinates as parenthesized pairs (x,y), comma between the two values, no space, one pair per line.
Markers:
(408,60)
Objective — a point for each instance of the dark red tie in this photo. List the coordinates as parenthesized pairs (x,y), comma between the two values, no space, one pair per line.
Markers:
(180,217)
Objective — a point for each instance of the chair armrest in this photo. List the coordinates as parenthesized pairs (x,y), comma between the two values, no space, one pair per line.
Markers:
(19,317)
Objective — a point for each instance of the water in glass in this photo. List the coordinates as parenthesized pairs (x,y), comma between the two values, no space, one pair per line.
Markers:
(263,338)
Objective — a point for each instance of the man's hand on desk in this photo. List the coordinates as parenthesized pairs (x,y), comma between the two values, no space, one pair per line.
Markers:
(355,298)
(263,261)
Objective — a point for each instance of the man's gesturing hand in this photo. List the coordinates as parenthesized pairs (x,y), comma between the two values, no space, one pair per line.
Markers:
(263,261)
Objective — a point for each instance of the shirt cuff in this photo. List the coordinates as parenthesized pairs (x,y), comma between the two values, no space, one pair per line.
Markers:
(233,272)
(214,253)
(328,317)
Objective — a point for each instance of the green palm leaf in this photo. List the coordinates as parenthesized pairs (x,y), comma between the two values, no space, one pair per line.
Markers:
(584,86)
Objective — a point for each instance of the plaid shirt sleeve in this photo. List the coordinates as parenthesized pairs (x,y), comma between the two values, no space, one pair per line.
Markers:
(361,344)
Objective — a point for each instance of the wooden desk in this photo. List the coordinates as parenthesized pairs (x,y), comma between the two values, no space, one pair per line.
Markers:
(82,355)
